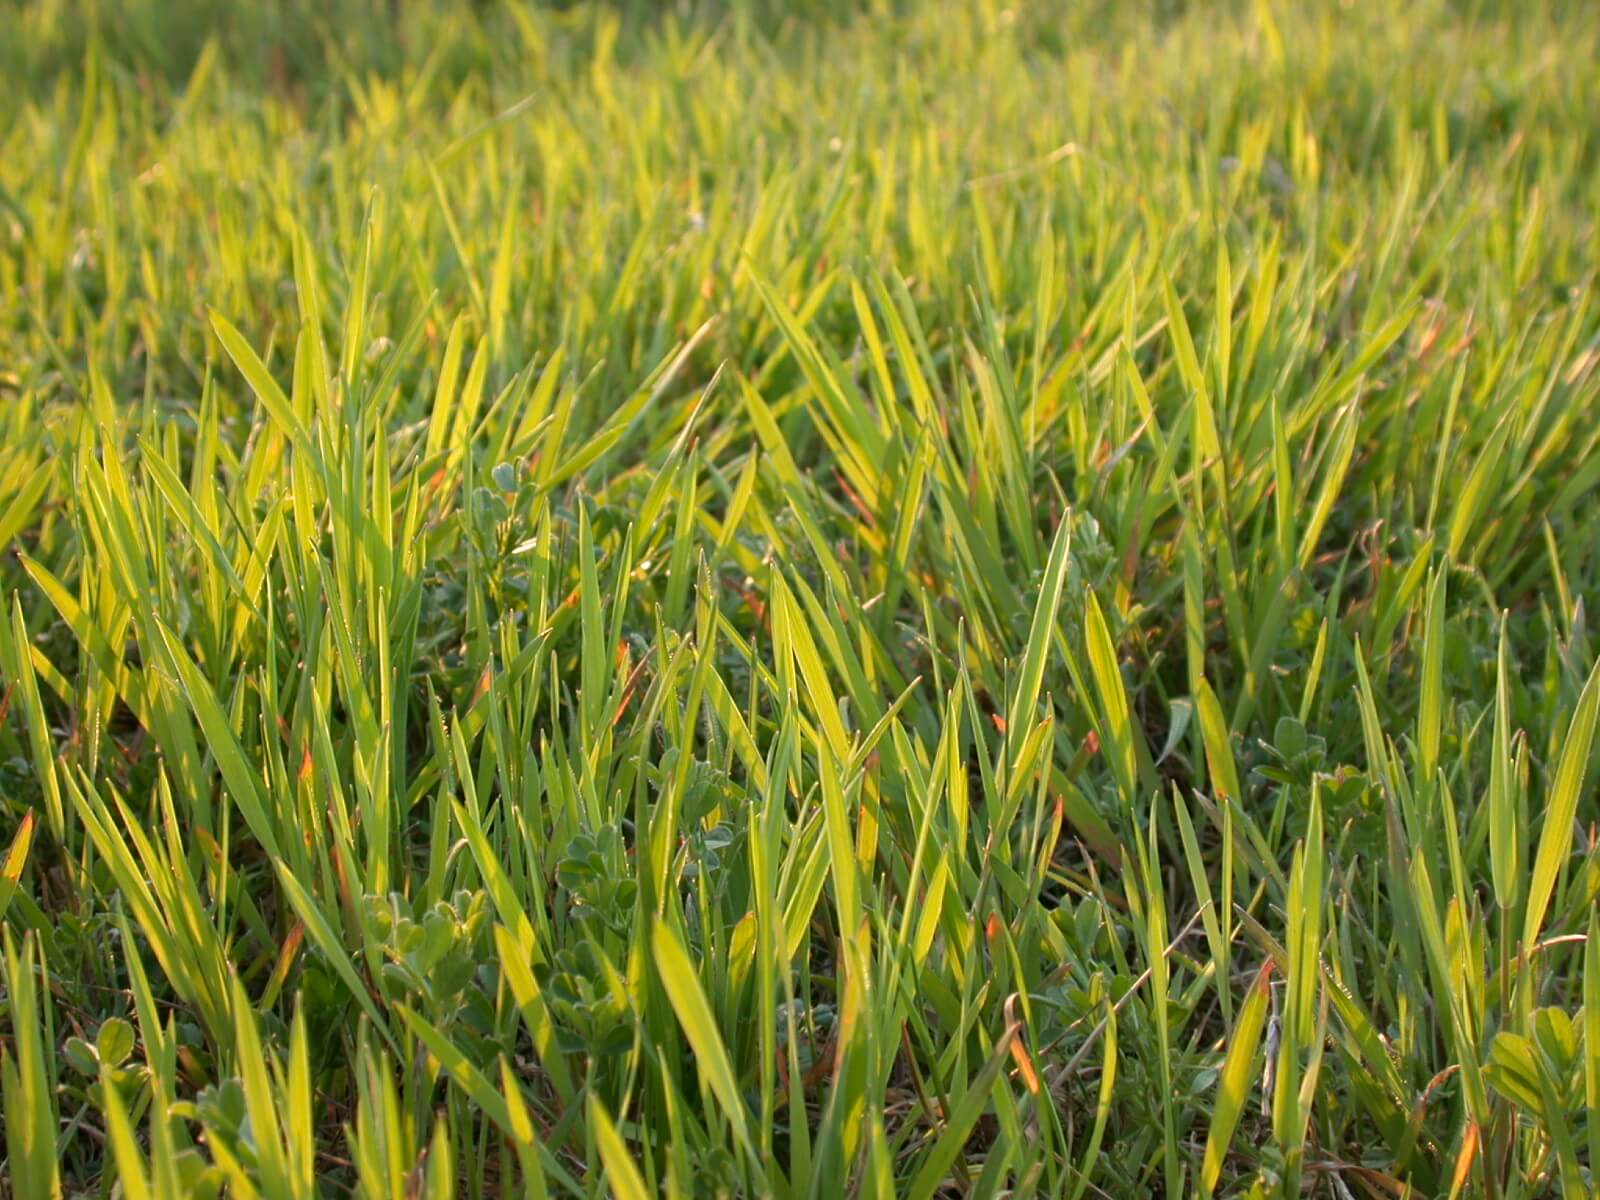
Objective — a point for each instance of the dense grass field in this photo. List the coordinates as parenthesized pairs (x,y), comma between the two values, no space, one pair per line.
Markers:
(805,600)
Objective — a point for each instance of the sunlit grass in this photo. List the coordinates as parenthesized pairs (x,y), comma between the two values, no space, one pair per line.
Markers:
(949,599)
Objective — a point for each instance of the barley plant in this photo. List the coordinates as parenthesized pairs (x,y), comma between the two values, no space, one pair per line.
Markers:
(956,598)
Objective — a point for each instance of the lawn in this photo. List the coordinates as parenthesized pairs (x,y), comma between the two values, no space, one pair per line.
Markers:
(935,599)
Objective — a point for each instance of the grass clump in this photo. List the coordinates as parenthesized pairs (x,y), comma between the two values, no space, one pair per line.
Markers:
(938,599)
